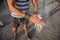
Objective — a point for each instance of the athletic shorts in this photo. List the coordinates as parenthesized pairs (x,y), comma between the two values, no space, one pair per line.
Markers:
(18,21)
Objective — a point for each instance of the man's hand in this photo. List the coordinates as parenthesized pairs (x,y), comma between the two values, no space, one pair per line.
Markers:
(36,20)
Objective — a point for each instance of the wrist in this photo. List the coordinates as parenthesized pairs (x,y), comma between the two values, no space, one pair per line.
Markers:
(35,12)
(27,16)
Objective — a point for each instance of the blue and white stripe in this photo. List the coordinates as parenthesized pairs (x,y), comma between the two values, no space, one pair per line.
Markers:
(22,4)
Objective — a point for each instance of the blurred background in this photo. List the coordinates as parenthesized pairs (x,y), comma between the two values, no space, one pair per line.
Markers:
(50,12)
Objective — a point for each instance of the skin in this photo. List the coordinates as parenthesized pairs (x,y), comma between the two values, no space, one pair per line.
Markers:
(33,18)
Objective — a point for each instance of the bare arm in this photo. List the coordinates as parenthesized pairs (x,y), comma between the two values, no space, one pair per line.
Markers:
(35,4)
(11,4)
(34,17)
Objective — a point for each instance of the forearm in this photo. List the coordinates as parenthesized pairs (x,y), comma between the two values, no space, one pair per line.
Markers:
(11,4)
(17,11)
(35,7)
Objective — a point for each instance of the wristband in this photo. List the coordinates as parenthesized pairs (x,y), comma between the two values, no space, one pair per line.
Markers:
(27,16)
(35,12)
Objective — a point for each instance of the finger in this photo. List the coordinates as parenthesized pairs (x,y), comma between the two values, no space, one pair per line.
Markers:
(39,21)
(36,20)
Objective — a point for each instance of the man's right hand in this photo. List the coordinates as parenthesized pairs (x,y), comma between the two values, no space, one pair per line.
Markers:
(36,20)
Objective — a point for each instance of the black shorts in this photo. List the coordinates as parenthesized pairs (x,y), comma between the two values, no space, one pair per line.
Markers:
(18,21)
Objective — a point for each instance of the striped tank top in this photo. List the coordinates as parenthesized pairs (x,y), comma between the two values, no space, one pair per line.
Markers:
(22,5)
